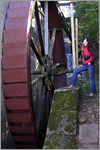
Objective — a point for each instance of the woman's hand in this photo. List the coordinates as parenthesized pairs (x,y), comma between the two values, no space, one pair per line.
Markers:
(89,64)
(79,66)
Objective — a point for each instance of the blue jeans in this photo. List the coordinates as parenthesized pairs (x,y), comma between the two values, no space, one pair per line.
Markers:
(90,69)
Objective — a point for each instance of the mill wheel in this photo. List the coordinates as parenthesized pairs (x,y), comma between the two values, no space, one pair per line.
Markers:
(27,73)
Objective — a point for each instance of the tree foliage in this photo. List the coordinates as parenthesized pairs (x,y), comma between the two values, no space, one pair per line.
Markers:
(88,14)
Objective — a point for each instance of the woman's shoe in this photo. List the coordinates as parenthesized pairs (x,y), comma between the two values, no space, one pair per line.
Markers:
(91,94)
(71,86)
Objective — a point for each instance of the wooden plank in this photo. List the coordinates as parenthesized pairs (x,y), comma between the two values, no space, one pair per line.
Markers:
(14,48)
(17,104)
(22,130)
(58,54)
(73,40)
(66,4)
(11,36)
(14,75)
(14,51)
(16,23)
(19,4)
(37,54)
(40,105)
(24,139)
(54,19)
(15,90)
(14,61)
(46,27)
(65,27)
(19,118)
(15,45)
(39,30)
(17,12)
(76,23)
(52,42)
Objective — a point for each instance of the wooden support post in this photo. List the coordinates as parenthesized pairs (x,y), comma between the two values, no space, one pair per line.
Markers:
(76,23)
(52,42)
(46,26)
(73,40)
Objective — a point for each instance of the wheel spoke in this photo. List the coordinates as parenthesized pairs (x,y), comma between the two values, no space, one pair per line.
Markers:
(39,30)
(40,106)
(37,54)
(60,71)
(46,27)
(50,97)
(36,72)
(36,79)
(55,66)
(46,107)
(52,42)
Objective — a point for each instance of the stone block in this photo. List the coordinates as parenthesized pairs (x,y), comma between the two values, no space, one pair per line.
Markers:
(61,141)
(62,122)
(88,133)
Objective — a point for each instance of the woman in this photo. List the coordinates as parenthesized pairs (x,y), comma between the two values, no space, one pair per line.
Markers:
(88,58)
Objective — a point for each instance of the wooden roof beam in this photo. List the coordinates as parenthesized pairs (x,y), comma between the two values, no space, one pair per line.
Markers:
(66,4)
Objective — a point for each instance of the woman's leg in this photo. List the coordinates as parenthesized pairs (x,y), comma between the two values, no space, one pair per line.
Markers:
(91,76)
(76,72)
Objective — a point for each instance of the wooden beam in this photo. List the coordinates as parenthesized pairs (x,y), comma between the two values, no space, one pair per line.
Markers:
(66,4)
(76,23)
(37,54)
(40,106)
(41,13)
(46,26)
(68,19)
(52,42)
(65,27)
(73,39)
(39,30)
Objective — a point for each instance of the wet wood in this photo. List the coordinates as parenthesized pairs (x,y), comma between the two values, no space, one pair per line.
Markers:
(17,104)
(15,90)
(14,75)
(19,118)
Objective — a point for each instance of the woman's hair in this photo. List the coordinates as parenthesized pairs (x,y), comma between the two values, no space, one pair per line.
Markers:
(90,44)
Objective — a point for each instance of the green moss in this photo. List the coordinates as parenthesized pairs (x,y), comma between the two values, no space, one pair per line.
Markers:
(69,128)
(63,102)
(54,135)
(64,108)
(72,116)
(52,145)
(54,121)
(71,142)
(55,143)
(67,99)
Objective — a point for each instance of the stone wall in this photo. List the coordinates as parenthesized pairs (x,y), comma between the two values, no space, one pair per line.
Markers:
(62,125)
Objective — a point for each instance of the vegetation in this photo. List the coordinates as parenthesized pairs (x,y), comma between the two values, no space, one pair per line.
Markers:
(85,85)
(88,14)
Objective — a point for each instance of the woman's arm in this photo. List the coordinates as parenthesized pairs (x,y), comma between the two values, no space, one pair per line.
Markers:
(91,50)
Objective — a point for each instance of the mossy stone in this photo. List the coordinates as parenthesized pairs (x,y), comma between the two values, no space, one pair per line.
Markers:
(62,121)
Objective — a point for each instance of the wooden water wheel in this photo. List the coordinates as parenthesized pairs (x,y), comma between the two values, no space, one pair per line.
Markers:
(28,73)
